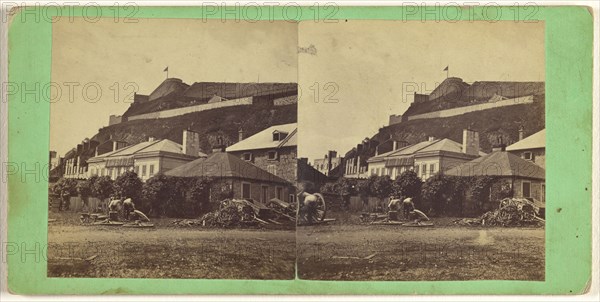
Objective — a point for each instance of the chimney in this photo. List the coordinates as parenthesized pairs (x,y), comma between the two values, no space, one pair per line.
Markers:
(331,154)
(521,133)
(303,161)
(240,135)
(359,148)
(191,142)
(79,148)
(394,145)
(376,150)
(470,143)
(430,138)
(219,147)
(151,138)
(499,146)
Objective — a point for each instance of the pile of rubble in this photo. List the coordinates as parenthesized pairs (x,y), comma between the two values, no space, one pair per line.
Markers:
(240,213)
(511,212)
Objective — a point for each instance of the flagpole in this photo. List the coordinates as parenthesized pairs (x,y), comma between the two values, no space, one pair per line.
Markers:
(447,71)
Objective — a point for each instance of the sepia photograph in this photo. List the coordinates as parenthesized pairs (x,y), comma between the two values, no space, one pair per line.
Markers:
(173,146)
(422,151)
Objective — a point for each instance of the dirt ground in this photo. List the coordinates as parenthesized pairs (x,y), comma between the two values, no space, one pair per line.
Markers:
(342,251)
(166,251)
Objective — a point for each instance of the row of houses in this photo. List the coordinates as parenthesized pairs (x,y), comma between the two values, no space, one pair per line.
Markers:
(261,167)
(521,164)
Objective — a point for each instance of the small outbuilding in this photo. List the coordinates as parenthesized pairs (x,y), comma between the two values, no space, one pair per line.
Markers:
(245,180)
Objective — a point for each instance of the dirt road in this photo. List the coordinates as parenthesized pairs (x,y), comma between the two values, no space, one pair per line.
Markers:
(367,252)
(170,253)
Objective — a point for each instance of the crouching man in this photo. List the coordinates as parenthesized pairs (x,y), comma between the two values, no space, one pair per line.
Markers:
(113,209)
(307,208)
(407,207)
(128,208)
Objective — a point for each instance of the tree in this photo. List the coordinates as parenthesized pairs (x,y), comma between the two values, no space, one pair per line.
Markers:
(408,184)
(102,187)
(128,185)
(438,192)
(329,188)
(200,195)
(65,188)
(363,188)
(84,188)
(480,190)
(381,187)
(156,193)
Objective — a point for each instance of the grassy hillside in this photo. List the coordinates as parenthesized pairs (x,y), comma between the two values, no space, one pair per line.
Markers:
(493,123)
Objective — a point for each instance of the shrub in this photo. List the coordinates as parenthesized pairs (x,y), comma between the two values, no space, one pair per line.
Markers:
(380,186)
(199,196)
(65,186)
(102,187)
(408,184)
(128,185)
(480,191)
(437,193)
(156,192)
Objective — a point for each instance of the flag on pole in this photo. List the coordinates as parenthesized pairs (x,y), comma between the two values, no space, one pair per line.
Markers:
(446,69)
(167,69)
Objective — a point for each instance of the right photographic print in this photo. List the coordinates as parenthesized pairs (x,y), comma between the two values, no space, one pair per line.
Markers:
(421,151)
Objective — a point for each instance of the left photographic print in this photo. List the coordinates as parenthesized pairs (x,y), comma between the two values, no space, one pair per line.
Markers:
(173,149)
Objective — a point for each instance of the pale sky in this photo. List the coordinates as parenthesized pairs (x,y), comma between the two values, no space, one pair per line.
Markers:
(371,61)
(194,50)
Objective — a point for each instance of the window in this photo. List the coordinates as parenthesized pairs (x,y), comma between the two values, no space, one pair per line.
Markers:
(292,198)
(264,197)
(247,156)
(526,186)
(151,170)
(144,170)
(137,170)
(272,169)
(372,171)
(417,169)
(246,191)
(424,169)
(277,136)
(528,155)
(377,171)
(272,155)
(431,169)
(279,193)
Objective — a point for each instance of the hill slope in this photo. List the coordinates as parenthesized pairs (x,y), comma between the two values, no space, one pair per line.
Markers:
(211,124)
(493,123)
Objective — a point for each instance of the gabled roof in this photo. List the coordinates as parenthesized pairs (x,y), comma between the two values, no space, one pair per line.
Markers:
(534,141)
(161,145)
(264,139)
(446,145)
(406,151)
(499,163)
(224,165)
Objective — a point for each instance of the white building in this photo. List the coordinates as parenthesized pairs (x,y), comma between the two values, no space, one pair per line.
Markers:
(427,158)
(147,158)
